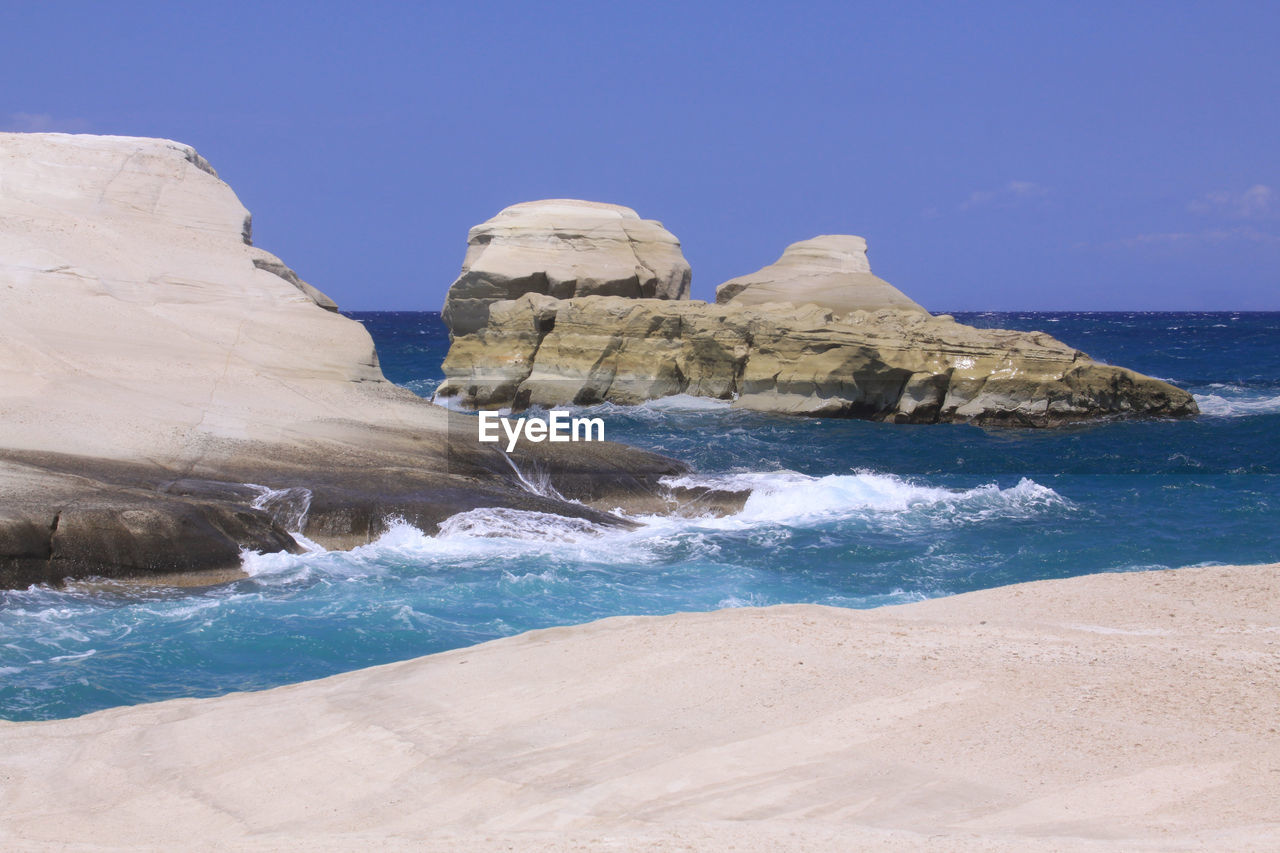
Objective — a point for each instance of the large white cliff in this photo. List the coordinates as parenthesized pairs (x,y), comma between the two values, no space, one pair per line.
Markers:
(152,361)
(134,303)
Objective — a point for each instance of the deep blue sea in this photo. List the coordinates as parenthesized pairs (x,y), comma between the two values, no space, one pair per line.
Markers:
(842,512)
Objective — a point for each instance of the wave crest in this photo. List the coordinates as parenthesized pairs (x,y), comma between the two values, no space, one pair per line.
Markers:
(781,504)
(789,497)
(1237,401)
(529,525)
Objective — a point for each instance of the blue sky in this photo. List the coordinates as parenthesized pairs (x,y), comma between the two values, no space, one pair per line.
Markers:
(996,156)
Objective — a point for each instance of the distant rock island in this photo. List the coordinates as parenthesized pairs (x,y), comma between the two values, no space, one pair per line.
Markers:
(576,302)
(170,393)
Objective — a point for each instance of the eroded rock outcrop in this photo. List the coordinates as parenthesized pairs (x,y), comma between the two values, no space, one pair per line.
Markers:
(153,363)
(831,271)
(904,367)
(564,248)
(814,334)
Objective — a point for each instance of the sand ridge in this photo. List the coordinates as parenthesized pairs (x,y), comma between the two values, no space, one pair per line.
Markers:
(1113,711)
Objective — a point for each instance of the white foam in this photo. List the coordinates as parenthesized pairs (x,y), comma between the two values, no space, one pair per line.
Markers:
(734,601)
(80,656)
(537,481)
(168,611)
(1234,401)
(309,545)
(780,502)
(453,403)
(486,535)
(276,564)
(503,523)
(287,507)
(788,497)
(686,403)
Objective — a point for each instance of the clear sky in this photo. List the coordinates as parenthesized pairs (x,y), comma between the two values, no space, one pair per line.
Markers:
(1091,155)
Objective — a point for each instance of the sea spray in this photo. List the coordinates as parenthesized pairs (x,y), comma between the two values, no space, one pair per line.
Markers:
(537,481)
(786,497)
(287,507)
(526,525)
(1228,400)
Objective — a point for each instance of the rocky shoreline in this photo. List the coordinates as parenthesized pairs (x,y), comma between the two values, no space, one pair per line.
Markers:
(158,371)
(154,363)
(68,516)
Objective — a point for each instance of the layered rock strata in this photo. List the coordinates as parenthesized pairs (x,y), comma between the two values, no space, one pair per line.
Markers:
(903,367)
(154,364)
(564,248)
(814,334)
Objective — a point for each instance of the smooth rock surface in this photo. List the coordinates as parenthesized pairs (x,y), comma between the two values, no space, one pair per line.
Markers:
(1115,712)
(146,346)
(563,248)
(831,271)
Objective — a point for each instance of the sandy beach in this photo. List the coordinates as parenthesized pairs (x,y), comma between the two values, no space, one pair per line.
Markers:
(1107,712)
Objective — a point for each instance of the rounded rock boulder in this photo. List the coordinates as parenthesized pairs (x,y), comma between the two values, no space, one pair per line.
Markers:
(564,248)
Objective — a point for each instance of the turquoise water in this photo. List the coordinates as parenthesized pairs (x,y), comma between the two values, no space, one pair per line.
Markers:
(844,513)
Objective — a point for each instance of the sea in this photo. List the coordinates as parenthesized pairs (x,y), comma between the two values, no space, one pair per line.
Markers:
(840,513)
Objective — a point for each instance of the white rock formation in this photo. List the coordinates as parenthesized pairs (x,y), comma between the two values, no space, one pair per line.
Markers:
(831,271)
(152,362)
(136,317)
(564,248)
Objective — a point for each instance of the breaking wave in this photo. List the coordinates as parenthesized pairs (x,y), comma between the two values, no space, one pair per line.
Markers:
(788,497)
(779,503)
(1237,401)
(1123,497)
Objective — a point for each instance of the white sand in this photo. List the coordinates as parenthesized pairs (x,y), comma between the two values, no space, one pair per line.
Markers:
(1117,712)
